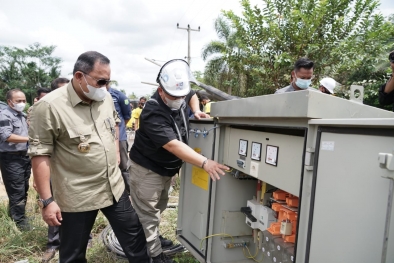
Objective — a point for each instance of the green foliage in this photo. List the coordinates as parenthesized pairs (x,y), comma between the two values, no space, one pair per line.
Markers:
(198,75)
(132,96)
(27,69)
(219,55)
(260,47)
(16,245)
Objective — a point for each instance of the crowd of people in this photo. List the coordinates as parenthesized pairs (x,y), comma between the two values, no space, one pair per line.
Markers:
(74,140)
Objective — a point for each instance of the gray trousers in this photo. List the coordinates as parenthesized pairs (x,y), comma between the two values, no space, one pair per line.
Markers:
(53,237)
(149,194)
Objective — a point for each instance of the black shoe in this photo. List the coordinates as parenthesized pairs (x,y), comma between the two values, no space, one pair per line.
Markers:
(24,225)
(162,259)
(165,242)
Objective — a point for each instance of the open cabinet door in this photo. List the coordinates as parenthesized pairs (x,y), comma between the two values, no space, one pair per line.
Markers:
(195,191)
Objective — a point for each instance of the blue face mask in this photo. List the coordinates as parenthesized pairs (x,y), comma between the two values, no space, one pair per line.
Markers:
(303,83)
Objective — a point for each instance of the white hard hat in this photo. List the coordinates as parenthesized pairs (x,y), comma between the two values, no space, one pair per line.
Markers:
(329,84)
(175,77)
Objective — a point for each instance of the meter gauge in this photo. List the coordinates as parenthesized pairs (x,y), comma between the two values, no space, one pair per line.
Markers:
(271,155)
(243,147)
(256,151)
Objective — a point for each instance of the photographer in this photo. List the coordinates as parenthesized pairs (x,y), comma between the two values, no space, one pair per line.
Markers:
(386,92)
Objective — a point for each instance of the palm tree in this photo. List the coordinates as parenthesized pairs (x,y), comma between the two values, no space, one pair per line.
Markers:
(219,54)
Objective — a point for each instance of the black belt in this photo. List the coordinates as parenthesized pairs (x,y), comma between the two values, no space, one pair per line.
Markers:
(21,153)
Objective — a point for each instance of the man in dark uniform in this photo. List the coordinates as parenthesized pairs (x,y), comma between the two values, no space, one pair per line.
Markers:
(14,162)
(160,148)
(122,106)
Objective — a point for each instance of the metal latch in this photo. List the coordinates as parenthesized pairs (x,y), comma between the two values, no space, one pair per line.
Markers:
(386,161)
(309,158)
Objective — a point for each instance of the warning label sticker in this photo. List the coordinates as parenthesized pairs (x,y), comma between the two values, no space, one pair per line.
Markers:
(200,178)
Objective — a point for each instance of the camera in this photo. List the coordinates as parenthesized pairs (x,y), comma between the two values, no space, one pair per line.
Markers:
(391,56)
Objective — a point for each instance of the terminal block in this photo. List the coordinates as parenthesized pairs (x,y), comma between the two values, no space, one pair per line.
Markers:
(236,244)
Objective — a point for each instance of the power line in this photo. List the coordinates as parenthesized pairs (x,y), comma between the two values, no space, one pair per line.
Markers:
(198,12)
(186,10)
(214,9)
(172,39)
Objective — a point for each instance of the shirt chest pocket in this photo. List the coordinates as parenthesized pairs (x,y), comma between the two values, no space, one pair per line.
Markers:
(80,135)
(17,126)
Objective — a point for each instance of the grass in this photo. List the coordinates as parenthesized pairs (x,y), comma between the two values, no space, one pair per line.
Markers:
(16,245)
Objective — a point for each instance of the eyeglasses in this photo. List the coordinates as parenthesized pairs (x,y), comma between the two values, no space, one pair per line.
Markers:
(100,82)
(173,97)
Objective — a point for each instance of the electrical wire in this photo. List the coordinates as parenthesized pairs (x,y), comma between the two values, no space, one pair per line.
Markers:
(214,9)
(111,242)
(198,12)
(179,21)
(186,10)
(215,235)
(204,132)
(250,254)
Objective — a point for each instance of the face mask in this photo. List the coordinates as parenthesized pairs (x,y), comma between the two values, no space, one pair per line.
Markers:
(96,94)
(303,83)
(19,106)
(175,104)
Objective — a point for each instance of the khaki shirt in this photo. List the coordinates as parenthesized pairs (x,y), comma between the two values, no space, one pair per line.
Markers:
(59,123)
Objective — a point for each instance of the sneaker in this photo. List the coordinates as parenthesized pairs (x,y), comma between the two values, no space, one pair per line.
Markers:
(165,242)
(162,259)
(48,255)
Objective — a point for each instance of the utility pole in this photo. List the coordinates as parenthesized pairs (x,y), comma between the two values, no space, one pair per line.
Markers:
(188,29)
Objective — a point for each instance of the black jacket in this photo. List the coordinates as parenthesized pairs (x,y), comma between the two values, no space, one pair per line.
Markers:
(158,126)
(386,98)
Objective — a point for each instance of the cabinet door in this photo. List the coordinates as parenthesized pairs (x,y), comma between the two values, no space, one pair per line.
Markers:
(349,204)
(195,192)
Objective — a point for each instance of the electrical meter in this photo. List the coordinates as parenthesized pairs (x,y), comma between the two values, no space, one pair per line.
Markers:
(256,151)
(243,147)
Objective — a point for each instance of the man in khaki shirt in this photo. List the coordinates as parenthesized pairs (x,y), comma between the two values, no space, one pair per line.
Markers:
(74,139)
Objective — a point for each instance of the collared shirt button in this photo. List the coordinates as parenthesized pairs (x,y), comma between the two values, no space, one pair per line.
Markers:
(107,149)
(109,165)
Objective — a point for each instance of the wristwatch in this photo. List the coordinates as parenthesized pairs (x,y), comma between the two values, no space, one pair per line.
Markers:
(44,203)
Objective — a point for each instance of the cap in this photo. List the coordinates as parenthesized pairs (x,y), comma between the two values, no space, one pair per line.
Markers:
(329,84)
(175,77)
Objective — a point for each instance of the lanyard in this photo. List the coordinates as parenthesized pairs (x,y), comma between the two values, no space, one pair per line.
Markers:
(184,122)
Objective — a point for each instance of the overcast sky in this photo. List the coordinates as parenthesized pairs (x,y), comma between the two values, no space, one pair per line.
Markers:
(126,31)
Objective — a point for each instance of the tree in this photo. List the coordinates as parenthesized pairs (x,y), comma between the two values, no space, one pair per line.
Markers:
(341,36)
(198,75)
(371,75)
(27,69)
(132,96)
(219,53)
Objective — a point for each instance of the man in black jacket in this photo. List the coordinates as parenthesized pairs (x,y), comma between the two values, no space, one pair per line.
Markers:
(160,148)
